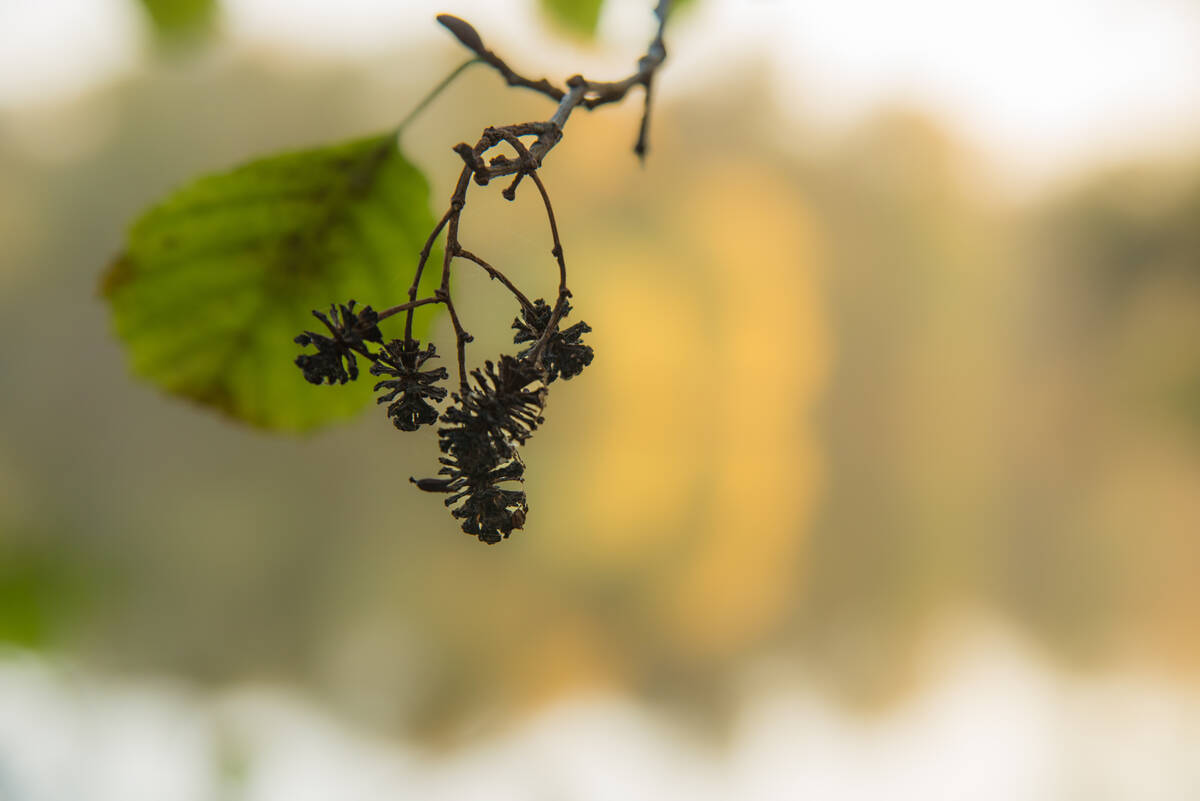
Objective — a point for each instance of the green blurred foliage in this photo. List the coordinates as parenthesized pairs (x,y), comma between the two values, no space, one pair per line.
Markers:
(580,17)
(219,278)
(42,590)
(1112,334)
(180,20)
(575,16)
(1132,266)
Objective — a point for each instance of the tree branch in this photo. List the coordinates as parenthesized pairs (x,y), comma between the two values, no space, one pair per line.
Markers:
(580,90)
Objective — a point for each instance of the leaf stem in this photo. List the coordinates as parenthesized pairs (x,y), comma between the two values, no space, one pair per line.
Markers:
(434,92)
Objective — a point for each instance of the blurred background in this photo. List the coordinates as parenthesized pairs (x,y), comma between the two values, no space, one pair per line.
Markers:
(883,483)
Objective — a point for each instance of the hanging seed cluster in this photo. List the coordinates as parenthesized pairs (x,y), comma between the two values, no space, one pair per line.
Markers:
(496,408)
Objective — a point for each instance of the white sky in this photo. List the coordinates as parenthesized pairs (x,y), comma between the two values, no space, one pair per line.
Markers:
(1037,85)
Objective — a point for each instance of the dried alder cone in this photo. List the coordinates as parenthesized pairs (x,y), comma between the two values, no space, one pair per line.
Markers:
(491,416)
(402,359)
(334,361)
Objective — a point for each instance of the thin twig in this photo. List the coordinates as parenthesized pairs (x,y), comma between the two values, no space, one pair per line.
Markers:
(560,306)
(412,304)
(460,192)
(496,274)
(471,39)
(460,334)
(557,250)
(642,144)
(461,340)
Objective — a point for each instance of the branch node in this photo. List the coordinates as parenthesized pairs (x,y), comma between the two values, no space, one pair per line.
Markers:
(468,156)
(510,192)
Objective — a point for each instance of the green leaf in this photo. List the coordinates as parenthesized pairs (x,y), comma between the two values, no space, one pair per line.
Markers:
(576,16)
(218,279)
(177,19)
